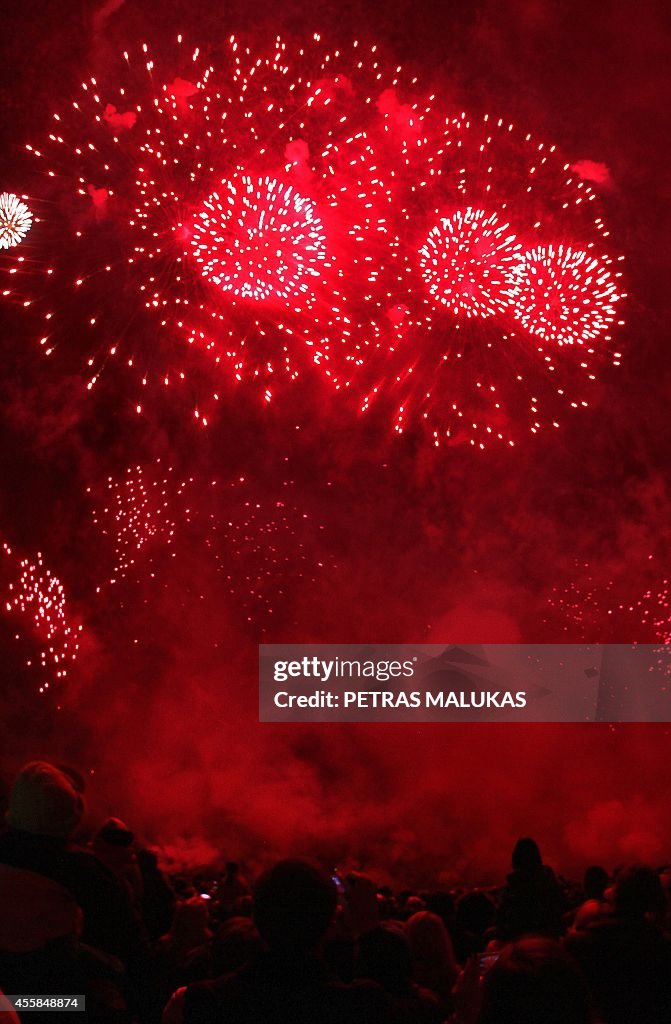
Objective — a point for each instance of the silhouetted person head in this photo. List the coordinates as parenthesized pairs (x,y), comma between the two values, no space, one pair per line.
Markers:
(526,855)
(114,832)
(190,922)
(639,893)
(428,938)
(294,904)
(147,860)
(442,903)
(232,868)
(535,982)
(475,913)
(45,801)
(384,956)
(235,944)
(595,882)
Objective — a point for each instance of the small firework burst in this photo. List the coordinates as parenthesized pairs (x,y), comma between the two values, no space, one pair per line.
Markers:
(139,511)
(260,240)
(15,220)
(468,262)
(35,603)
(564,296)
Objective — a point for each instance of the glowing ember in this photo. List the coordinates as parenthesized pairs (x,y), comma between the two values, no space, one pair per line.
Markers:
(265,549)
(261,239)
(35,600)
(467,262)
(616,609)
(15,220)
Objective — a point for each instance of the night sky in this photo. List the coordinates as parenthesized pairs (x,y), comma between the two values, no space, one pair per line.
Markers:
(402,542)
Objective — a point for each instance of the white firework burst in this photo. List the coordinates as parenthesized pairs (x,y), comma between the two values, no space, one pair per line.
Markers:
(15,220)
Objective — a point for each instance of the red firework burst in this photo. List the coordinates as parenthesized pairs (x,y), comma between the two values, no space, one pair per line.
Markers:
(260,241)
(564,296)
(219,213)
(468,262)
(473,346)
(243,218)
(35,603)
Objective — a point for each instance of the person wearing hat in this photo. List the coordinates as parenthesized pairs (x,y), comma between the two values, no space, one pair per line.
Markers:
(50,890)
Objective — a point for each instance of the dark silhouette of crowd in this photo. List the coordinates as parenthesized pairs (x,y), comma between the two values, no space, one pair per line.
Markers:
(301,945)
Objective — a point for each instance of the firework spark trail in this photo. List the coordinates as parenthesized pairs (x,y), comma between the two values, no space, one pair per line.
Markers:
(35,602)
